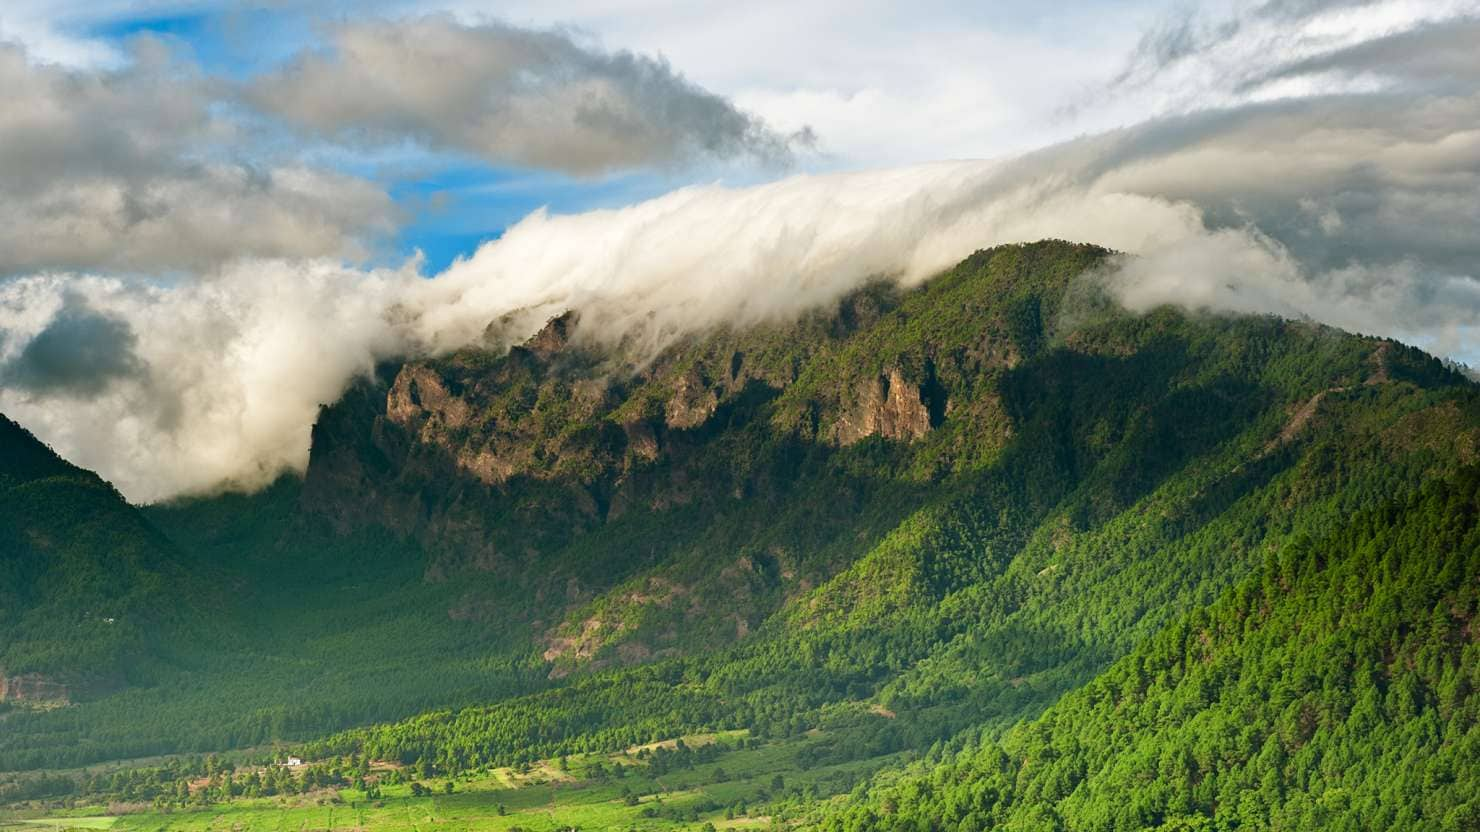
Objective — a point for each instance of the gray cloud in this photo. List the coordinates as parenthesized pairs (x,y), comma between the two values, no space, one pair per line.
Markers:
(1335,179)
(510,96)
(1257,41)
(158,166)
(1355,210)
(1443,53)
(1287,10)
(1184,32)
(79,353)
(129,169)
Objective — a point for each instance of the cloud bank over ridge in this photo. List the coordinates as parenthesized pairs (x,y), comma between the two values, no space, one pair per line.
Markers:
(1356,206)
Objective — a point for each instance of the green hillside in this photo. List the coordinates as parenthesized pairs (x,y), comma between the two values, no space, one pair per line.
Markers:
(990,551)
(297,633)
(86,582)
(1146,465)
(1337,687)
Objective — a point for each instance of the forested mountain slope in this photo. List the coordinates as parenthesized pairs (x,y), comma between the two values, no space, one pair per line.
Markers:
(1337,687)
(676,507)
(913,520)
(1080,479)
(86,583)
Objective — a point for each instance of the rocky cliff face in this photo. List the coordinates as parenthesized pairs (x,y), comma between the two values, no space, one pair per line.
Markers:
(475,429)
(693,402)
(497,462)
(637,509)
(888,406)
(420,403)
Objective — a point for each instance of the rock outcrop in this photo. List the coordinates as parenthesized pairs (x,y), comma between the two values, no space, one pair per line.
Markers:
(693,402)
(419,398)
(889,406)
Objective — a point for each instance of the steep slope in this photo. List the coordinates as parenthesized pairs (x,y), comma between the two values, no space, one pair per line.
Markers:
(674,505)
(678,506)
(1338,687)
(86,583)
(1086,478)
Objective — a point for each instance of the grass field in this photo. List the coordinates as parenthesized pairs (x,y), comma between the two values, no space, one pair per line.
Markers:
(38,824)
(738,789)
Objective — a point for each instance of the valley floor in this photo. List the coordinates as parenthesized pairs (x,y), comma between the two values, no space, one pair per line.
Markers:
(741,785)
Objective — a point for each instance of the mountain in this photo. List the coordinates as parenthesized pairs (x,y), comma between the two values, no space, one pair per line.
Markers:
(86,582)
(680,506)
(951,531)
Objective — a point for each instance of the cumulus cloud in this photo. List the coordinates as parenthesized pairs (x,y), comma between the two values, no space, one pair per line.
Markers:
(231,369)
(219,377)
(130,169)
(511,96)
(147,163)
(1363,217)
(1247,272)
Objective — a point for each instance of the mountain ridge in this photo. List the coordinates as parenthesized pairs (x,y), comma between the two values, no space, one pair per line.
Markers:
(74,624)
(953,504)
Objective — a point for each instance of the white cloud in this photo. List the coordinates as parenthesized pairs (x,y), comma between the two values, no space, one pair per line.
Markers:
(880,82)
(227,372)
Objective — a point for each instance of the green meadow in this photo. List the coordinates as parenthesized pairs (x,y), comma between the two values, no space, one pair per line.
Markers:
(64,822)
(737,788)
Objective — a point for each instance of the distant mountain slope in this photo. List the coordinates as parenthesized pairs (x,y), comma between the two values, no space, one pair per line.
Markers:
(675,505)
(85,581)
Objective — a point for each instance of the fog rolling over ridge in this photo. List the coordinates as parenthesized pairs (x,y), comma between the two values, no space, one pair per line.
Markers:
(1355,204)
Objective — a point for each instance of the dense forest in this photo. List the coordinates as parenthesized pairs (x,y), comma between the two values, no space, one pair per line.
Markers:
(1042,563)
(1337,687)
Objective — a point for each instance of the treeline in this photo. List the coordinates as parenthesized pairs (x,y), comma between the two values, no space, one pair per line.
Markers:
(189,781)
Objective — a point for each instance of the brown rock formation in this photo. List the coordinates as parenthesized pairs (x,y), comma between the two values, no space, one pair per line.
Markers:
(888,406)
(420,398)
(553,336)
(692,404)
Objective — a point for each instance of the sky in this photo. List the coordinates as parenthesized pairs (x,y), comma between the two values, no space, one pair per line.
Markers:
(215,216)
(877,83)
